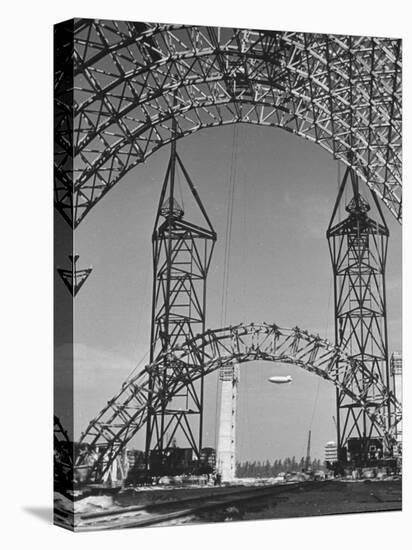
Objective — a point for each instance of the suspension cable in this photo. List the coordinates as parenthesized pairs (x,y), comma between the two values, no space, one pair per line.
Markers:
(180,190)
(226,260)
(339,183)
(315,403)
(319,379)
(133,371)
(229,225)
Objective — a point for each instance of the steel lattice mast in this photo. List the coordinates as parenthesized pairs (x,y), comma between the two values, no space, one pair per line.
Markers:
(182,251)
(358,248)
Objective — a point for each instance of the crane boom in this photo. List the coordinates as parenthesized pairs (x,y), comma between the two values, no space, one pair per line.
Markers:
(307,462)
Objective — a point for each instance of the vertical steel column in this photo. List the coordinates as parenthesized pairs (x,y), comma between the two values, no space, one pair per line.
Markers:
(182,252)
(358,248)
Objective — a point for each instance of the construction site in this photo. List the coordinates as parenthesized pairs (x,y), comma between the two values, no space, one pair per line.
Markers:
(166,441)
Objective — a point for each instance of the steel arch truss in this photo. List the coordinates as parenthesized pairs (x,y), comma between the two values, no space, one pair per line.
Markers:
(132,80)
(63,457)
(127,412)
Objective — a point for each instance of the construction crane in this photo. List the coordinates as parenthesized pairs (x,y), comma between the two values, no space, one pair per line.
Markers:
(307,461)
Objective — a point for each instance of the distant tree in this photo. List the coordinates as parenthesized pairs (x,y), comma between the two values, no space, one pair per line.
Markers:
(268,469)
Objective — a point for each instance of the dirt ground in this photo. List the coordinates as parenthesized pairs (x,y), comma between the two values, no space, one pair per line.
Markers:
(326,499)
(323,498)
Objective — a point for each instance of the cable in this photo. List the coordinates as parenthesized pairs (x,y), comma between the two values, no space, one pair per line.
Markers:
(179,187)
(143,358)
(339,183)
(226,261)
(216,408)
(315,403)
(229,225)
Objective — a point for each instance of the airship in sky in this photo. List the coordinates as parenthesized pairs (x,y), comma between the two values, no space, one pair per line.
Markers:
(280,379)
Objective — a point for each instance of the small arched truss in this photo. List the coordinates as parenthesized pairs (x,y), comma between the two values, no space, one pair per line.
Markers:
(132,80)
(126,413)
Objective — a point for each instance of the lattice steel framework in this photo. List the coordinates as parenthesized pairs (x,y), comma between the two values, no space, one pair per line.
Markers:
(120,85)
(74,278)
(358,248)
(182,251)
(127,412)
(63,459)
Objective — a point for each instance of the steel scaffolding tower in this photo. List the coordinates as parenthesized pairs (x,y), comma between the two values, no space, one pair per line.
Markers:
(182,251)
(358,248)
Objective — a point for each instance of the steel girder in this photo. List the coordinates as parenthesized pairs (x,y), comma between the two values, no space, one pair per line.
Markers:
(127,412)
(120,85)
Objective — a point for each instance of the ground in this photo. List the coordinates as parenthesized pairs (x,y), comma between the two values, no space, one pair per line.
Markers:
(325,499)
(164,506)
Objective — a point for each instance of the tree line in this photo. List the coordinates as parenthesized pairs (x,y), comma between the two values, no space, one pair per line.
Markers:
(268,469)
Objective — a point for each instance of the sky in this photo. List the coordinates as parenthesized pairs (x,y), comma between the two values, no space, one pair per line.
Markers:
(279,271)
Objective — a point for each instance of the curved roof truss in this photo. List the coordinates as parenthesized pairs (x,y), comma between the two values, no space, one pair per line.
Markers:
(132,80)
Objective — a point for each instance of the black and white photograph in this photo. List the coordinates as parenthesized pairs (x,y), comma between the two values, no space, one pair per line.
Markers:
(228,274)
(205,267)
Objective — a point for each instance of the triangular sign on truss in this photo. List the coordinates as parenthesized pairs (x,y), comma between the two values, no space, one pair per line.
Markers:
(72,278)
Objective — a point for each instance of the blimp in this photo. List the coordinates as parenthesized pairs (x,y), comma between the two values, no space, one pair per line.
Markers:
(280,379)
